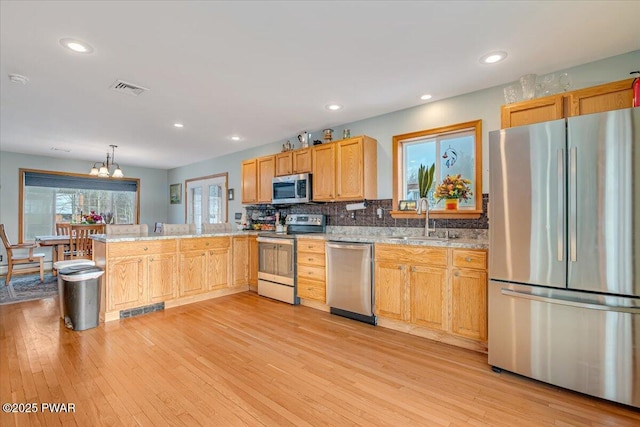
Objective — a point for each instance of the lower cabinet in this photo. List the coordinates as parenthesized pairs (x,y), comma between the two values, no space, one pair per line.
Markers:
(469,294)
(311,270)
(204,265)
(442,290)
(140,273)
(240,261)
(163,277)
(253,261)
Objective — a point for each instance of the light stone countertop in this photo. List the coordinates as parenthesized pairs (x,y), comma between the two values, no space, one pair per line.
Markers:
(105,238)
(360,238)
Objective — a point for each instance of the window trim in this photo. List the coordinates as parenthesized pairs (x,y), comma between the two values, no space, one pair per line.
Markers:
(398,169)
(224,175)
(23,171)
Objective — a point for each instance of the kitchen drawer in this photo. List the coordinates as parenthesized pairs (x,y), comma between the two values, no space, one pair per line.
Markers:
(422,255)
(147,247)
(312,289)
(470,259)
(311,258)
(198,244)
(311,272)
(311,245)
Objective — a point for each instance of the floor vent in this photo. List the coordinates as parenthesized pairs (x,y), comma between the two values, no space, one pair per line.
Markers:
(128,88)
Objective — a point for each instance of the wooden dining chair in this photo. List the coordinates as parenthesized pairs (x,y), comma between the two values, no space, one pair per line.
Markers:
(13,259)
(63,229)
(81,243)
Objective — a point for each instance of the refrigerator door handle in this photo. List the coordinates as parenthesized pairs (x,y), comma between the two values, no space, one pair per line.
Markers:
(560,218)
(573,204)
(571,303)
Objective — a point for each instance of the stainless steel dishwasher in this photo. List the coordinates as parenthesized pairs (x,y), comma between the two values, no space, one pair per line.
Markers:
(350,280)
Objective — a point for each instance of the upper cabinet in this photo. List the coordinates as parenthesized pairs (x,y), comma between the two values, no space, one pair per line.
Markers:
(345,170)
(250,181)
(596,99)
(257,175)
(301,160)
(342,170)
(607,97)
(284,163)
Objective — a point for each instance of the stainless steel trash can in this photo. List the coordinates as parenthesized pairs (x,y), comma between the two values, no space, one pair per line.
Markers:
(81,296)
(59,265)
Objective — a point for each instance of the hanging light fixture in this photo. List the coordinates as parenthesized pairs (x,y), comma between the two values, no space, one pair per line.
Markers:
(104,171)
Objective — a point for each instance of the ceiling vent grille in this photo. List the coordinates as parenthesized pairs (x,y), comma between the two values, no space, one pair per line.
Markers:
(127,88)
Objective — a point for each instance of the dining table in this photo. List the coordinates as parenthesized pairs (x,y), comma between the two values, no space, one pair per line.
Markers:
(58,243)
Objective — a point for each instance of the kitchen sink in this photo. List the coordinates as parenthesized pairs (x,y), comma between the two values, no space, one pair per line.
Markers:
(417,238)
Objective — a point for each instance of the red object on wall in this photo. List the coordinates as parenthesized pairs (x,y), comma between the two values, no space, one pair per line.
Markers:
(636,89)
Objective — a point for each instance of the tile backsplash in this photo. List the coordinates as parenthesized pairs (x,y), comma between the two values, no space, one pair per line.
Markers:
(337,215)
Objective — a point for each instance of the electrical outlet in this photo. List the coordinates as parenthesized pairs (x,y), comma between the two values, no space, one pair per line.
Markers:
(1,257)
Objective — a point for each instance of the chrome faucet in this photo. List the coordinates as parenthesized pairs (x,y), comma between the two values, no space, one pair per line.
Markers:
(425,202)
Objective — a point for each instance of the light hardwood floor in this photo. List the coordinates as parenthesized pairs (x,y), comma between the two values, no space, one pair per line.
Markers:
(247,360)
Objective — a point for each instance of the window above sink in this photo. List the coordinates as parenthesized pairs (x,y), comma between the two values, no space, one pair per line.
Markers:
(454,149)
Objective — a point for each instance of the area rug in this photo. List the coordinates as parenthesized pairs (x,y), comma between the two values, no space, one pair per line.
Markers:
(27,288)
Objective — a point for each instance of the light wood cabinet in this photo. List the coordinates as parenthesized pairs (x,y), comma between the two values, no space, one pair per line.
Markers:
(204,265)
(302,160)
(323,161)
(240,261)
(596,99)
(410,279)
(391,290)
(253,261)
(345,170)
(163,277)
(174,271)
(436,292)
(284,163)
(126,282)
(469,294)
(311,270)
(428,296)
(534,111)
(218,263)
(266,172)
(193,272)
(249,179)
(139,273)
(257,176)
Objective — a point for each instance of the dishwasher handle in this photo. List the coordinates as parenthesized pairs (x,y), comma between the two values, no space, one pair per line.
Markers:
(348,245)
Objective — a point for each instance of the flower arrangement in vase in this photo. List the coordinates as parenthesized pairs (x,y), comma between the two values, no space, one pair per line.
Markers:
(92,218)
(452,189)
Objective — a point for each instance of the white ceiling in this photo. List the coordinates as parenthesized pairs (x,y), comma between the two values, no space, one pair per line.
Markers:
(265,70)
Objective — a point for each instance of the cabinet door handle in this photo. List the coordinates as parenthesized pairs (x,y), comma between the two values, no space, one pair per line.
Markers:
(413,269)
(151,259)
(206,244)
(401,267)
(468,259)
(310,259)
(457,274)
(145,248)
(139,260)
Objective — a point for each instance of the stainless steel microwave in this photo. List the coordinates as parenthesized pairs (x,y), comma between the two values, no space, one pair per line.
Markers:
(291,189)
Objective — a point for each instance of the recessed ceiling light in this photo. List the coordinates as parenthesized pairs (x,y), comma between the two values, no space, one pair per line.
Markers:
(17,78)
(425,97)
(333,107)
(493,57)
(76,45)
(178,125)
(235,138)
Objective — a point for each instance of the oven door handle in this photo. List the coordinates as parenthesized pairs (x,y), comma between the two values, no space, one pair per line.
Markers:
(275,240)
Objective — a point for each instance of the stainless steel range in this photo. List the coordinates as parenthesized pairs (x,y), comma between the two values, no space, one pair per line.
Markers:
(277,257)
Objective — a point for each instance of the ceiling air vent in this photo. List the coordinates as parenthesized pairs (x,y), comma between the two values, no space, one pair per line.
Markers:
(128,88)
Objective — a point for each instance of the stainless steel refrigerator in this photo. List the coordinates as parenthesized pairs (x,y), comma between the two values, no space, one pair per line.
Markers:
(564,290)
